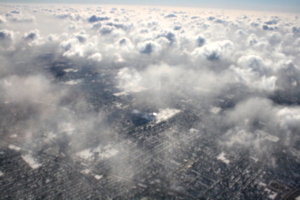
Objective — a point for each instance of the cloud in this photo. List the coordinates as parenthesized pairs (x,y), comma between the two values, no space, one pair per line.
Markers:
(2,19)
(96,57)
(105,30)
(253,63)
(200,40)
(22,89)
(273,21)
(168,35)
(269,28)
(177,27)
(6,34)
(129,80)
(254,81)
(258,123)
(20,18)
(94,18)
(72,47)
(251,110)
(289,118)
(170,16)
(149,47)
(81,36)
(215,51)
(32,35)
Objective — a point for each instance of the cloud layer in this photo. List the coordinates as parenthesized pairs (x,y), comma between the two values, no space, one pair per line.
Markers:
(76,75)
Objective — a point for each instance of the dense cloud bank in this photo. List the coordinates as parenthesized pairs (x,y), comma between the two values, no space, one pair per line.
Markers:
(69,71)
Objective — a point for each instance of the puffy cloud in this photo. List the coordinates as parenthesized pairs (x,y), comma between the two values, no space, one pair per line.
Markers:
(105,30)
(212,52)
(6,35)
(20,18)
(289,118)
(275,38)
(168,35)
(200,40)
(2,19)
(254,73)
(71,47)
(253,63)
(149,47)
(170,16)
(269,28)
(7,38)
(94,18)
(215,51)
(32,35)
(251,111)
(96,57)
(259,123)
(211,18)
(81,36)
(252,40)
(273,21)
(129,80)
(177,27)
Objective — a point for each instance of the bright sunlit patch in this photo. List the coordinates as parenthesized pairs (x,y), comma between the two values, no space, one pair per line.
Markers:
(31,161)
(222,157)
(165,114)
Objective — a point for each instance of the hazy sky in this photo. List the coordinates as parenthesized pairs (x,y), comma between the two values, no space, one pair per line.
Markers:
(283,5)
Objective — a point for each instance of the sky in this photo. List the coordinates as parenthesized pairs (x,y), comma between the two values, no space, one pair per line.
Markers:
(261,5)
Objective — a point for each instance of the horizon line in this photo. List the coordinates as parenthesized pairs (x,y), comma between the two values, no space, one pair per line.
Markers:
(287,10)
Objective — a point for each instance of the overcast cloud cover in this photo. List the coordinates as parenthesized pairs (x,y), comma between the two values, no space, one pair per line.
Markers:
(238,71)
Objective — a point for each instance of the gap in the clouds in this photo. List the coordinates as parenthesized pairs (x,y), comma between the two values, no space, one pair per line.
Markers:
(289,97)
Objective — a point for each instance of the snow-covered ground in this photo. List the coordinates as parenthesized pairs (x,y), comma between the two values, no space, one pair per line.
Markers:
(31,161)
(102,153)
(73,82)
(13,147)
(165,114)
(222,157)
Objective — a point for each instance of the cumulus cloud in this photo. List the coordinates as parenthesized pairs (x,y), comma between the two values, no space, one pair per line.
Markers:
(200,40)
(32,35)
(215,51)
(96,57)
(149,47)
(94,18)
(18,17)
(170,16)
(2,19)
(6,37)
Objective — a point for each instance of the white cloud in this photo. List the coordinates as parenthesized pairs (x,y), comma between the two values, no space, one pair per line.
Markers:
(105,30)
(289,117)
(16,17)
(214,51)
(96,57)
(94,18)
(32,35)
(149,47)
(252,63)
(170,16)
(2,19)
(6,38)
